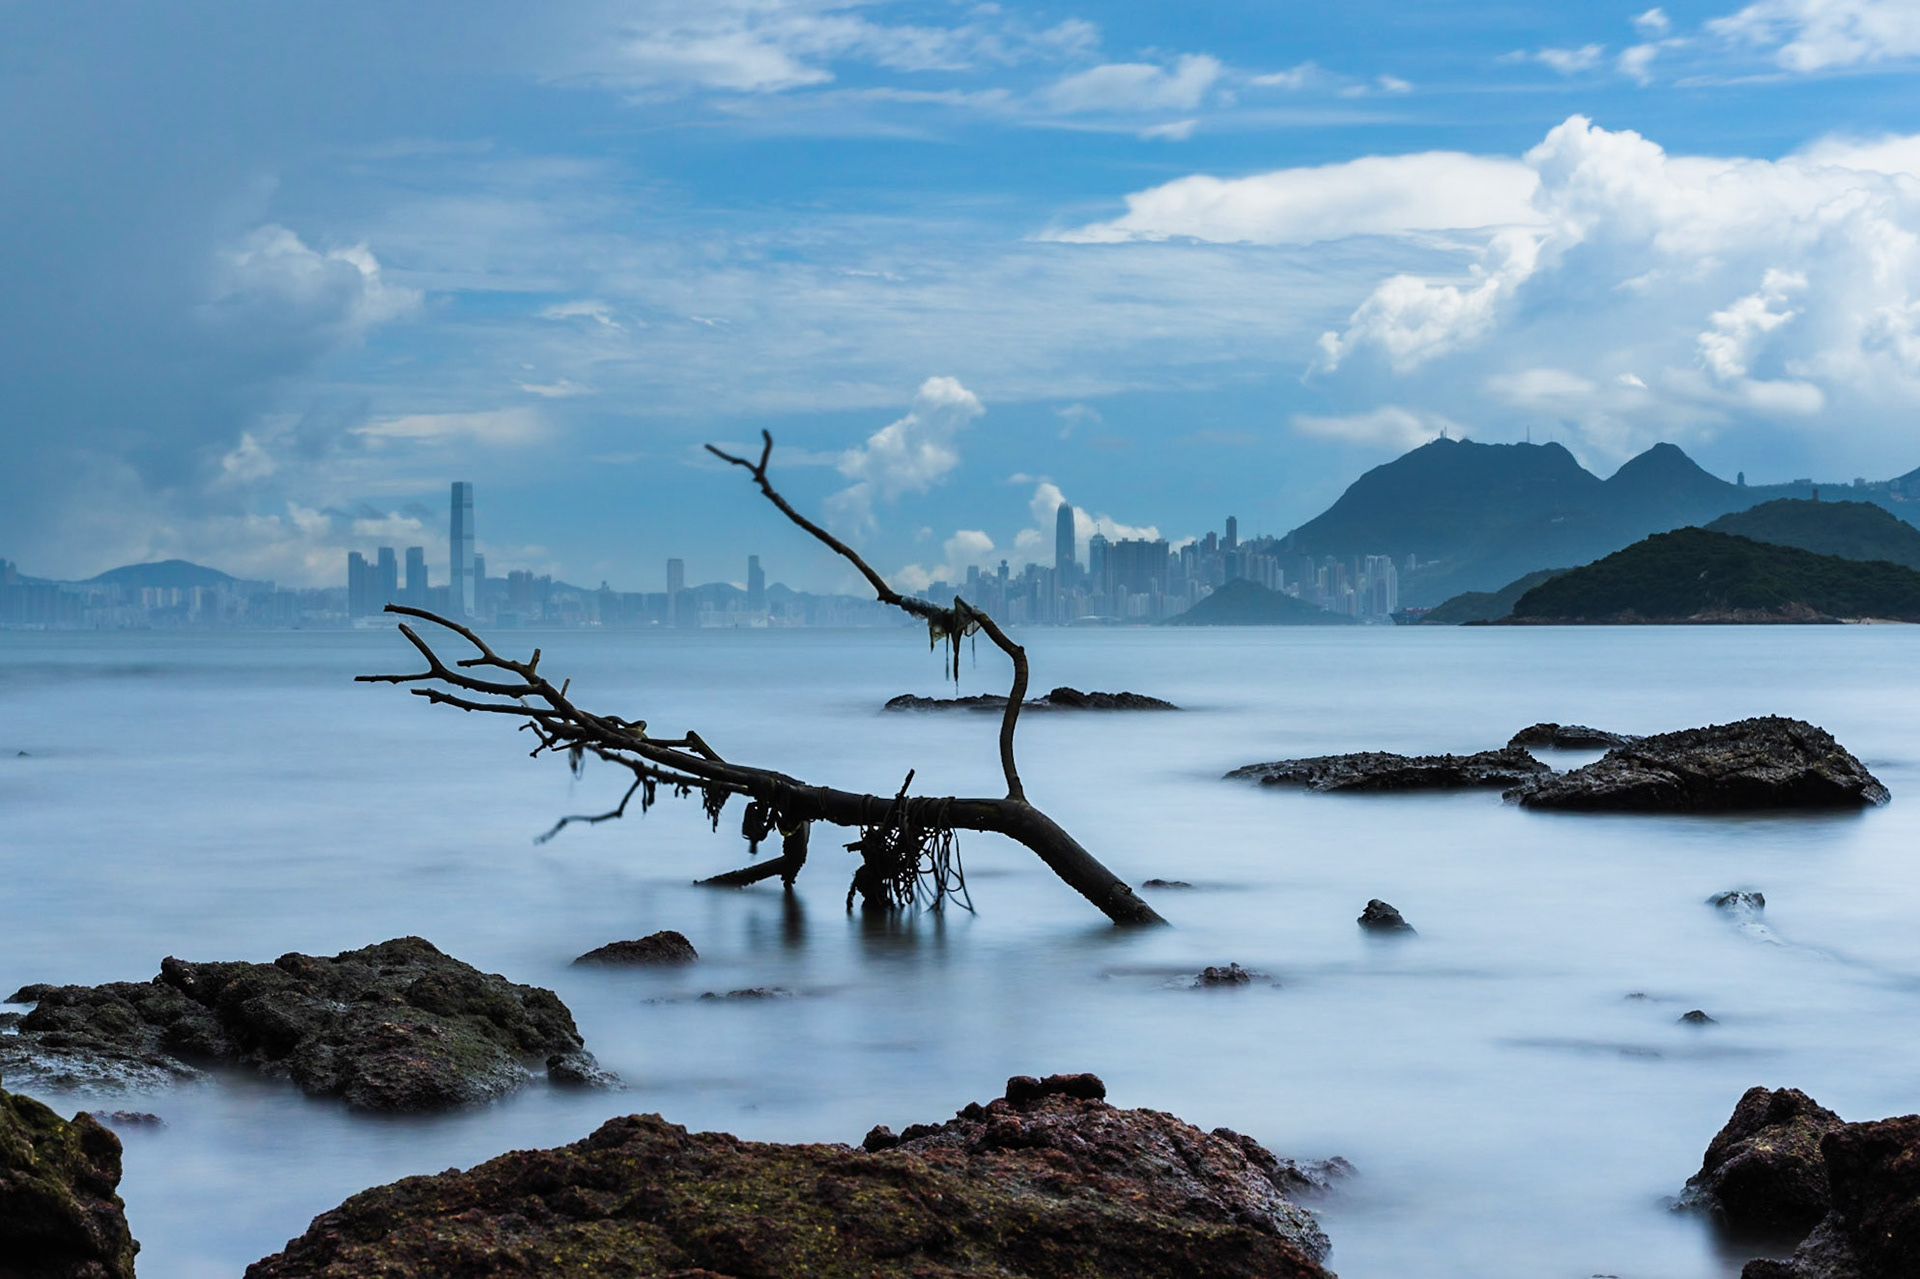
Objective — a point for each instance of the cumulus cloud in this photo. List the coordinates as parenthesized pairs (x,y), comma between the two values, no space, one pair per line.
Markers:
(1570,61)
(1137,86)
(1822,35)
(272,290)
(1653,23)
(909,455)
(1389,426)
(1413,319)
(1373,195)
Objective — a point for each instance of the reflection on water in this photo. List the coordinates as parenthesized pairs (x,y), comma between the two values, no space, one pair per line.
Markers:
(1512,1112)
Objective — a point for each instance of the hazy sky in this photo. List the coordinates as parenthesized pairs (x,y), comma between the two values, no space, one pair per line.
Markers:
(274,274)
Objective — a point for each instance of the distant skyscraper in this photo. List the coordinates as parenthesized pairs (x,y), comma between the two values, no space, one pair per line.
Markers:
(460,594)
(386,580)
(1097,564)
(416,592)
(1233,534)
(676,587)
(1064,561)
(359,584)
(756,586)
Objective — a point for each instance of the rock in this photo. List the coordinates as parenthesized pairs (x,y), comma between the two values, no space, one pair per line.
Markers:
(1697,1018)
(1231,975)
(1568,737)
(1166,883)
(579,1070)
(1060,699)
(1872,1229)
(1055,1183)
(1739,903)
(663,947)
(1382,771)
(394,1027)
(128,1118)
(1379,917)
(753,992)
(59,1215)
(1763,763)
(1764,1171)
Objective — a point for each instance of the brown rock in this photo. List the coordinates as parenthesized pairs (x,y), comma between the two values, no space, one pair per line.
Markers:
(59,1215)
(1058,1183)
(1764,1171)
(1384,771)
(663,947)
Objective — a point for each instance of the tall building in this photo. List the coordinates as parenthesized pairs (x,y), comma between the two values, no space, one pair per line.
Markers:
(1097,563)
(677,587)
(386,578)
(460,586)
(1064,560)
(359,584)
(1233,534)
(416,591)
(756,586)
(1139,565)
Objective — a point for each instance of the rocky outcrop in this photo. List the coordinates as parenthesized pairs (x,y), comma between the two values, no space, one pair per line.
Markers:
(59,1215)
(1060,699)
(393,1027)
(1568,737)
(1230,975)
(663,947)
(1763,1172)
(1381,771)
(1379,917)
(1048,1180)
(1763,763)
(1872,1230)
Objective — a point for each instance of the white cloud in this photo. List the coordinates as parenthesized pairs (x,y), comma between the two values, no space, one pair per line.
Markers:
(584,308)
(1136,86)
(1393,84)
(1413,319)
(1636,61)
(1654,23)
(908,455)
(562,389)
(1821,35)
(1727,346)
(966,548)
(1299,77)
(1174,131)
(1389,426)
(272,288)
(1373,195)
(1541,388)
(496,427)
(1570,61)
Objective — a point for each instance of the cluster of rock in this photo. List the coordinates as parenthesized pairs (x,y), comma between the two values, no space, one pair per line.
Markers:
(1752,764)
(60,1217)
(1060,699)
(1049,1179)
(398,1026)
(1786,1166)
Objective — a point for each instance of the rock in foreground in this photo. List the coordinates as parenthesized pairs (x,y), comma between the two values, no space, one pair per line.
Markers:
(1049,1181)
(1382,771)
(1060,699)
(1873,1229)
(1753,764)
(663,947)
(59,1215)
(393,1027)
(1763,1172)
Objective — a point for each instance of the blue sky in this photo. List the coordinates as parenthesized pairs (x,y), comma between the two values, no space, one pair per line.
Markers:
(276,274)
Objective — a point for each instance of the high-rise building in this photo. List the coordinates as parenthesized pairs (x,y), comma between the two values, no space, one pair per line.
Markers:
(386,579)
(677,587)
(460,586)
(1097,564)
(1138,564)
(416,592)
(1233,534)
(1064,560)
(756,586)
(359,584)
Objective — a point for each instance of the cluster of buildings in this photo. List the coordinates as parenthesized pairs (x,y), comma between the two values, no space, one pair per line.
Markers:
(1148,579)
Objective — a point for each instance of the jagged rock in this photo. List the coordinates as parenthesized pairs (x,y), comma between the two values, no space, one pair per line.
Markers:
(663,947)
(394,1027)
(1764,1171)
(1050,1180)
(753,992)
(59,1215)
(1569,737)
(1872,1230)
(1762,763)
(1166,883)
(128,1118)
(1697,1017)
(1060,699)
(1231,975)
(1383,771)
(1739,903)
(1379,917)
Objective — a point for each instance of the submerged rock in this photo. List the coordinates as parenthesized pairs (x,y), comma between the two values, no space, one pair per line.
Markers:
(1569,737)
(1231,975)
(394,1027)
(1379,917)
(1166,883)
(59,1215)
(1383,771)
(1049,1180)
(1697,1017)
(1735,902)
(663,947)
(1764,1171)
(1762,763)
(1060,699)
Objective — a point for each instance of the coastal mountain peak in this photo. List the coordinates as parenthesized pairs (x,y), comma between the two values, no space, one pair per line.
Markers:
(163,573)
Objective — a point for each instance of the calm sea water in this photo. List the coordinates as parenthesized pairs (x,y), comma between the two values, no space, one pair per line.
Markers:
(1511,1111)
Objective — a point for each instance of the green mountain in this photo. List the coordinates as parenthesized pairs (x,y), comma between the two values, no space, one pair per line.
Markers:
(1478,516)
(1244,603)
(1694,575)
(1486,606)
(1851,530)
(161,573)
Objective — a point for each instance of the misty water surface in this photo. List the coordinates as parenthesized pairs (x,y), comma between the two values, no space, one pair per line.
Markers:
(1511,1111)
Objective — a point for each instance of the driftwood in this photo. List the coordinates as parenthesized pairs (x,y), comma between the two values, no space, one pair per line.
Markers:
(906,841)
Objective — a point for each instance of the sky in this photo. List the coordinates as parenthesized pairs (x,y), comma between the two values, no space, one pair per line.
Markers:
(271,276)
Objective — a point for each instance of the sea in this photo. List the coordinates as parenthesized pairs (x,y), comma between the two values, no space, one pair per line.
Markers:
(1513,1085)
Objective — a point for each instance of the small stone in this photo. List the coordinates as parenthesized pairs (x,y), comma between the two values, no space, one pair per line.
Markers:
(1379,917)
(1735,900)
(1231,975)
(579,1070)
(1024,1090)
(1166,883)
(753,992)
(1696,1018)
(663,947)
(878,1138)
